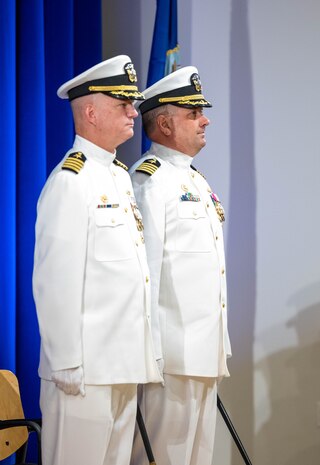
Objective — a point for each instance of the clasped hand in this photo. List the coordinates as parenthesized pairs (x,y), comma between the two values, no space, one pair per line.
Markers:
(70,381)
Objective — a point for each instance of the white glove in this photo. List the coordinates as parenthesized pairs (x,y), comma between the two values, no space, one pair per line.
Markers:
(160,363)
(70,381)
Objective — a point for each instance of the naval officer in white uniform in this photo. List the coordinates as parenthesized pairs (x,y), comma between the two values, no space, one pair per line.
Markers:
(91,280)
(183,221)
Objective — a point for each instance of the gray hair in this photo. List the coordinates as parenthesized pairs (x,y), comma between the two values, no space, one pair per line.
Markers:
(149,119)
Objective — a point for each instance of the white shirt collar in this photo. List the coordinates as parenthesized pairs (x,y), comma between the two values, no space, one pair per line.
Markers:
(93,151)
(174,157)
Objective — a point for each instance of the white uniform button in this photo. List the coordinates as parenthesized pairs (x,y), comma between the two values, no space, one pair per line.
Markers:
(113,220)
(114,174)
(137,243)
(147,279)
(126,210)
(222,271)
(223,305)
(192,175)
(208,204)
(217,237)
(128,192)
(194,213)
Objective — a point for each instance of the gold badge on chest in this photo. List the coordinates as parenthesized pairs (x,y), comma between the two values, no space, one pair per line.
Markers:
(136,213)
(219,208)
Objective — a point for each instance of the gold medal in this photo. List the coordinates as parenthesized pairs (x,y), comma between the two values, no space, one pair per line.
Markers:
(137,215)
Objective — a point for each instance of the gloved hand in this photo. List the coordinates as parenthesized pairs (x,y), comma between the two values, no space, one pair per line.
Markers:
(160,363)
(70,381)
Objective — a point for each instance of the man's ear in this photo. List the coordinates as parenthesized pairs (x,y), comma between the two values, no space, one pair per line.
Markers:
(163,122)
(90,113)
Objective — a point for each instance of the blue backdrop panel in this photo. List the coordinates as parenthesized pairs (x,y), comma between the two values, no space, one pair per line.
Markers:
(7,184)
(42,44)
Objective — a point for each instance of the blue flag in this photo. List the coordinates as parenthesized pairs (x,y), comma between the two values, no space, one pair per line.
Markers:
(164,57)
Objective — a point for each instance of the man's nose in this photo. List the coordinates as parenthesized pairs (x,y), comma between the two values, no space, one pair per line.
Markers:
(205,121)
(131,111)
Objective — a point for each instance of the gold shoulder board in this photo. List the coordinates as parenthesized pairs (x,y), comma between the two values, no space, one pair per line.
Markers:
(74,162)
(119,163)
(149,166)
(195,169)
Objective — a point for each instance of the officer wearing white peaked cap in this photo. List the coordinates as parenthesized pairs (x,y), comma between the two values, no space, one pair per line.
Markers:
(183,220)
(91,280)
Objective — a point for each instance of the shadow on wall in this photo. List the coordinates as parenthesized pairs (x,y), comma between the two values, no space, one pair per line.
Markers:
(241,246)
(290,435)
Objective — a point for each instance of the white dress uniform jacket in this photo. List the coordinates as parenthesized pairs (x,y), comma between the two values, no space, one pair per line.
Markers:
(185,251)
(91,278)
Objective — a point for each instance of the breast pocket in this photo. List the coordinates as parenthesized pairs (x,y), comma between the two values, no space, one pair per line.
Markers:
(194,232)
(112,236)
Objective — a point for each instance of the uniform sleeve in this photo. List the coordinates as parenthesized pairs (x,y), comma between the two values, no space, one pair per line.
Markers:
(59,266)
(152,207)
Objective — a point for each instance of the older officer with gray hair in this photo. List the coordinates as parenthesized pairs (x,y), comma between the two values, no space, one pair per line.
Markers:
(91,280)
(183,220)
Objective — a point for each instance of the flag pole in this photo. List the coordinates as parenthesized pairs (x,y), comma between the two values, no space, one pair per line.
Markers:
(144,436)
(233,432)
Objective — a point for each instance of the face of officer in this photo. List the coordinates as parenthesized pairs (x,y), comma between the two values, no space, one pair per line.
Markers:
(184,129)
(104,120)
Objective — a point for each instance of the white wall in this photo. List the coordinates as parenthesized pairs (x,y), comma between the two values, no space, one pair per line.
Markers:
(259,65)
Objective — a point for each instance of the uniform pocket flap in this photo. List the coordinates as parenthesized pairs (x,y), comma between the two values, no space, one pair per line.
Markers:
(191,210)
(108,217)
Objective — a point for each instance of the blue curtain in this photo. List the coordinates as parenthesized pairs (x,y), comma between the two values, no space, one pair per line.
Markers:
(43,43)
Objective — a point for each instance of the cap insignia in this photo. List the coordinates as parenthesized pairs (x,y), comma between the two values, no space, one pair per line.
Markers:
(74,162)
(149,166)
(195,81)
(119,163)
(131,72)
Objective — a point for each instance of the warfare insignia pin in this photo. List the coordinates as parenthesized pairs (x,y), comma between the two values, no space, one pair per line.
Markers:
(184,187)
(195,80)
(131,72)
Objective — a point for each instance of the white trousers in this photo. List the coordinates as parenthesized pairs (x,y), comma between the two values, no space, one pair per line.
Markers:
(180,419)
(93,430)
